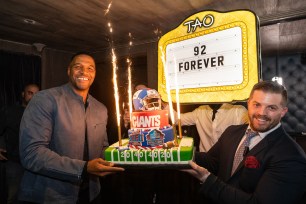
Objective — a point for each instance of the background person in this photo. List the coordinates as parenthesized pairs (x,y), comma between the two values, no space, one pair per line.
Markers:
(273,170)
(211,121)
(10,119)
(62,135)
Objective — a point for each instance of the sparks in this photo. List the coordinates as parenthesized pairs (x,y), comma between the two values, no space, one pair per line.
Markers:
(167,85)
(177,93)
(108,8)
(129,62)
(116,92)
(177,90)
(130,87)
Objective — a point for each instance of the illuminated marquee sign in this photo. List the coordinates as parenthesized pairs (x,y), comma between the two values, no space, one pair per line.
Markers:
(211,57)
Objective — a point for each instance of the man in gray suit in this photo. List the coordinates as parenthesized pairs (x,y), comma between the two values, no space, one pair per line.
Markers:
(272,168)
(62,135)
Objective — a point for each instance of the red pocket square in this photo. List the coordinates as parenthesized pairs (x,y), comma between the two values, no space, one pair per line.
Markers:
(251,162)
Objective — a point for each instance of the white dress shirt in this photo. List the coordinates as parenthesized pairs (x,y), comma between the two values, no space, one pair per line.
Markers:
(210,131)
(261,135)
(255,140)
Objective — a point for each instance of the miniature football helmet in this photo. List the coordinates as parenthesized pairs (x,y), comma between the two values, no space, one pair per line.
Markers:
(147,99)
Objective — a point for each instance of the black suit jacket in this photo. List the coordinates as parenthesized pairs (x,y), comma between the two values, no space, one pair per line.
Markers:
(279,179)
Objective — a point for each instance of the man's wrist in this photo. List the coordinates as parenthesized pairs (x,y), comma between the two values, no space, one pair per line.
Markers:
(204,177)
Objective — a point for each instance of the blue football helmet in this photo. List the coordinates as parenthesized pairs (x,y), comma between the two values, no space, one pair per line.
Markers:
(147,99)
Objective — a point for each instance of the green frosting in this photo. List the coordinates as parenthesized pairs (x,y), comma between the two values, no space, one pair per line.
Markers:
(182,153)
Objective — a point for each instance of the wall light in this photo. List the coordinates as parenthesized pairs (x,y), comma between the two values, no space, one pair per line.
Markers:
(278,80)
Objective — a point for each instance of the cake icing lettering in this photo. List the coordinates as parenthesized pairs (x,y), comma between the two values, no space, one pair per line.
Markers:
(146,121)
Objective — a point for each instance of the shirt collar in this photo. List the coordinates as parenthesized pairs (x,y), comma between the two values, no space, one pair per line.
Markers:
(264,134)
(68,87)
(221,108)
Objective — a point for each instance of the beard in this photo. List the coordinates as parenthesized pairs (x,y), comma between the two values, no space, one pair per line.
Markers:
(263,123)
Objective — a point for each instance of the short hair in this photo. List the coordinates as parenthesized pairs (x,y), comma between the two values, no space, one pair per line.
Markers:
(81,53)
(271,87)
(30,84)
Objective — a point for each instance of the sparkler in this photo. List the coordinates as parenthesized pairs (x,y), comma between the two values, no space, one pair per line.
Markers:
(108,8)
(115,68)
(114,62)
(168,93)
(130,87)
(129,62)
(177,93)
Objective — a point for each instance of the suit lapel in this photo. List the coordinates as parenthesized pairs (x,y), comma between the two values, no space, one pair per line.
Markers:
(262,145)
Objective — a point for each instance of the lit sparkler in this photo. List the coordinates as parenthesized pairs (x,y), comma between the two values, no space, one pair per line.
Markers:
(110,27)
(130,87)
(115,68)
(108,8)
(129,62)
(168,93)
(114,62)
(177,93)
(131,42)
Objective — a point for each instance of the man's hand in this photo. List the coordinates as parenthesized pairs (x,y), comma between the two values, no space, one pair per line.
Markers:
(101,167)
(197,171)
(2,153)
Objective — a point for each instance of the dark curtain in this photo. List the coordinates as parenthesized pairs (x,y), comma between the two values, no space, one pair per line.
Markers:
(17,70)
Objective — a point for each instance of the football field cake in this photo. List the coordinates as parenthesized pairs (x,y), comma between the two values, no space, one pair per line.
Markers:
(177,156)
(151,141)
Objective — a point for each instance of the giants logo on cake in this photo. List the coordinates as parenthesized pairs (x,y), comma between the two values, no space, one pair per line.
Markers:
(149,119)
(149,124)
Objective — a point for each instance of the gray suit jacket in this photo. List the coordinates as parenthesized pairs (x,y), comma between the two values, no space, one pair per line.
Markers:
(52,135)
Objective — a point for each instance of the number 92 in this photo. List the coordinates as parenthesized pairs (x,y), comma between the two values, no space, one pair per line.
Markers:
(199,50)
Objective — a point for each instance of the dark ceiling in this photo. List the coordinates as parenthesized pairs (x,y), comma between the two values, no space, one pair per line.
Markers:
(74,25)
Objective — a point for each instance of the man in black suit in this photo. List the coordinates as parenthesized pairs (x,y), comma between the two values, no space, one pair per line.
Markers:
(273,166)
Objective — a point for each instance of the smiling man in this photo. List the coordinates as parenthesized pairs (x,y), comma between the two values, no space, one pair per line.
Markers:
(62,135)
(266,108)
(82,72)
(255,163)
